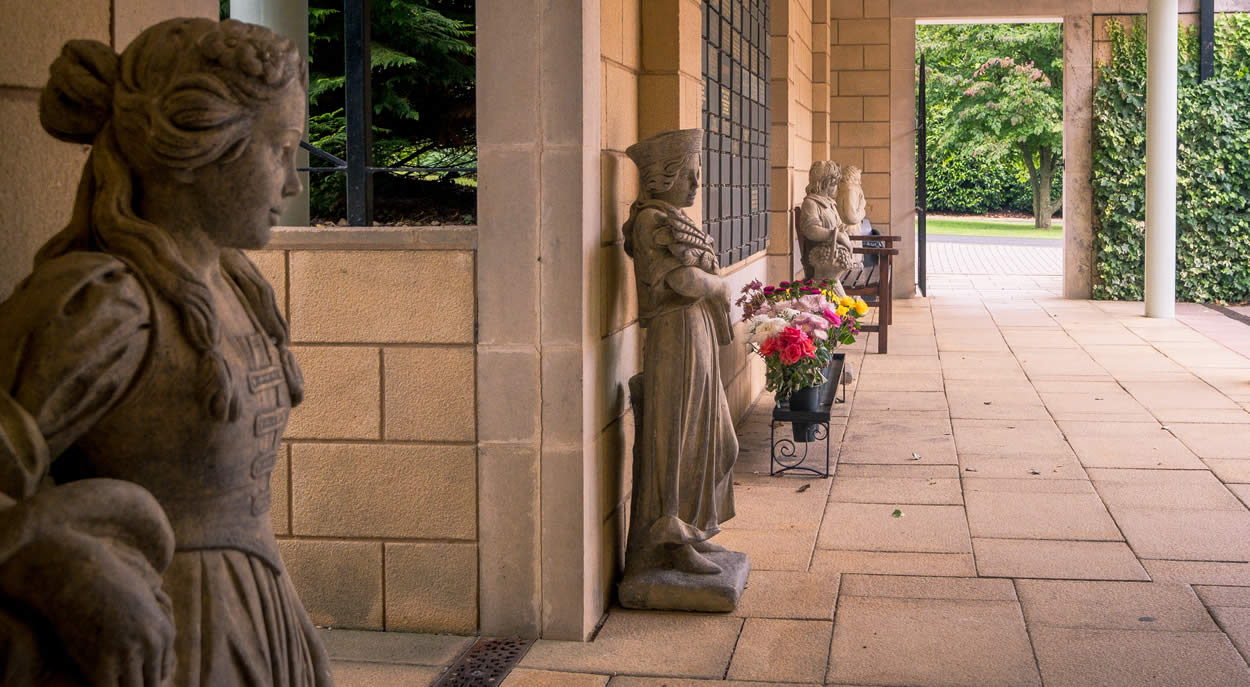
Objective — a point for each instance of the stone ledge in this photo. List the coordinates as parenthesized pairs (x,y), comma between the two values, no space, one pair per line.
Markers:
(459,237)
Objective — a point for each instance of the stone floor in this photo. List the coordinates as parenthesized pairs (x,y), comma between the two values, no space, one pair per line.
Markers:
(1028,491)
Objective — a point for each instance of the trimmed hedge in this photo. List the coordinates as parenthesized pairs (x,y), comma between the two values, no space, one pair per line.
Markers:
(1213,167)
(960,182)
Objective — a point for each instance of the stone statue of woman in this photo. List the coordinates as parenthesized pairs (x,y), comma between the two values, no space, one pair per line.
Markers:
(826,248)
(145,377)
(686,446)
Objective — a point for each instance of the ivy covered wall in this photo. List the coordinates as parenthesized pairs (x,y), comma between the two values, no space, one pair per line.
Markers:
(1213,166)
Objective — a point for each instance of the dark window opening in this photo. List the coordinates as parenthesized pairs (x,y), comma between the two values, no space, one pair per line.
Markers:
(736,126)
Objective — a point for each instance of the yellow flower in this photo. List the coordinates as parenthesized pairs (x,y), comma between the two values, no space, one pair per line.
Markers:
(860,307)
(847,301)
(842,310)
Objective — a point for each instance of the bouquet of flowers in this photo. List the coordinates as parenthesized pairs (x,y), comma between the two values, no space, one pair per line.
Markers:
(795,328)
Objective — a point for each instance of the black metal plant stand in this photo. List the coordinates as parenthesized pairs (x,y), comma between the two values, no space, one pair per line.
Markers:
(784,455)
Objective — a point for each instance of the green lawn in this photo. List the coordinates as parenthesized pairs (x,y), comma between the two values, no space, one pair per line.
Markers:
(983,226)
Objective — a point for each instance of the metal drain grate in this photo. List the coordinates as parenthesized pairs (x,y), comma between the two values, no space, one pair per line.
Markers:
(484,664)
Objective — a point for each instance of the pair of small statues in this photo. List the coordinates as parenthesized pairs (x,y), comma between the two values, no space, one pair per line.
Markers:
(833,209)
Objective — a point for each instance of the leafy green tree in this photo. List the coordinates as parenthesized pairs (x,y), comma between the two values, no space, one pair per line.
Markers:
(1010,104)
(422,60)
(975,146)
(424,111)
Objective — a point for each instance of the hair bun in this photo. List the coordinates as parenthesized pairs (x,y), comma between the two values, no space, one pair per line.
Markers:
(78,100)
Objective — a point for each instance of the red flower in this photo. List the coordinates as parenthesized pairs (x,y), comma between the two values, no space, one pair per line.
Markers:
(795,344)
(770,346)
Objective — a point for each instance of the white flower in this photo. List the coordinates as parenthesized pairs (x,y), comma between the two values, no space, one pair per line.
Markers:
(764,328)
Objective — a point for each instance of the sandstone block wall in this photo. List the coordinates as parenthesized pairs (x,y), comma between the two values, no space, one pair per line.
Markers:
(376,492)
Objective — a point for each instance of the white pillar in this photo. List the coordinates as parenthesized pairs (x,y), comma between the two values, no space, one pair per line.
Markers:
(289,18)
(1161,30)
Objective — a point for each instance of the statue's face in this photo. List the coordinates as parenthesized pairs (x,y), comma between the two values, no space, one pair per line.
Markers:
(685,186)
(241,200)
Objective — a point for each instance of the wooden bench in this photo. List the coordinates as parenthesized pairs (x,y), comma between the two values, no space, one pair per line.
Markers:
(870,282)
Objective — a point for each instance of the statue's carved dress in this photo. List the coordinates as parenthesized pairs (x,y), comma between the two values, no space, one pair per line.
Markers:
(94,357)
(685,487)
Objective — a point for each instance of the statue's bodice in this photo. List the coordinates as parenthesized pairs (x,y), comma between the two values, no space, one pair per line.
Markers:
(211,476)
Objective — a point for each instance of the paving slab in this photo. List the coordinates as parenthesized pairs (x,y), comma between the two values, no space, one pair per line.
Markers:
(1241,491)
(973,400)
(900,364)
(1235,622)
(1188,535)
(1040,363)
(525,677)
(872,401)
(981,366)
(1010,438)
(932,491)
(1128,445)
(929,587)
(1034,337)
(1061,560)
(1209,440)
(1107,406)
(353,674)
(1118,658)
(776,508)
(913,469)
(631,681)
(1192,394)
(1103,334)
(1225,416)
(788,594)
(1032,515)
(832,561)
(789,549)
(900,381)
(1238,597)
(1230,471)
(1198,572)
(1027,486)
(1232,382)
(937,642)
(645,643)
(875,527)
(392,647)
(1037,467)
(791,651)
(1163,489)
(1143,606)
(893,438)
(975,340)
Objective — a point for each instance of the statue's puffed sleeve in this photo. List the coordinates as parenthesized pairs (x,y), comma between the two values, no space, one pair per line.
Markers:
(72,339)
(654,259)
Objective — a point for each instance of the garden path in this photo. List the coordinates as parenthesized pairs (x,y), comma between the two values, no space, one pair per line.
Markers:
(990,255)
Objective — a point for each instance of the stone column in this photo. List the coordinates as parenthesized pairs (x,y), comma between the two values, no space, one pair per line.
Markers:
(538,235)
(903,153)
(1161,38)
(1078,131)
(289,18)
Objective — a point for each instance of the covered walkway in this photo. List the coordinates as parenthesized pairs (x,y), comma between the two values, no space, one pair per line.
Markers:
(1028,490)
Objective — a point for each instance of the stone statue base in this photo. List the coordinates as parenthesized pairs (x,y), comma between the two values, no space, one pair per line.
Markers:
(675,590)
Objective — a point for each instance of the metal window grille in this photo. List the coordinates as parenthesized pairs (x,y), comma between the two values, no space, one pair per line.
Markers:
(358,112)
(736,125)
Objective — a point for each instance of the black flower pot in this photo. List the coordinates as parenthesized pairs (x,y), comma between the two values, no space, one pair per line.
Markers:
(805,399)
